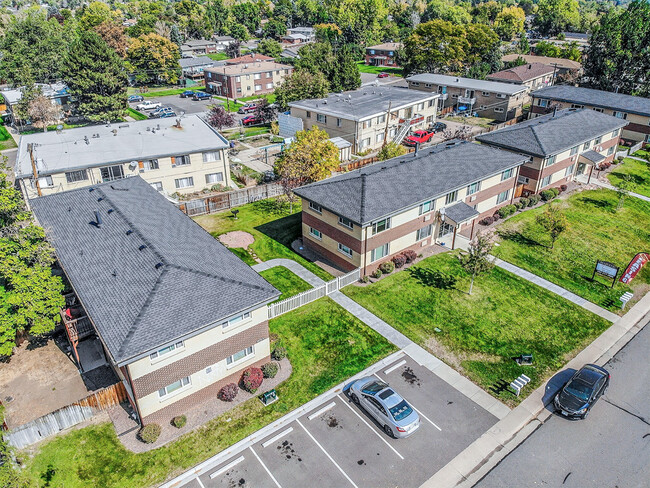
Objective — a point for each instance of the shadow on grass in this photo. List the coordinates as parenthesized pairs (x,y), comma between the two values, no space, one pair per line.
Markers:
(554,385)
(436,279)
(519,238)
(604,204)
(283,230)
(499,387)
(634,178)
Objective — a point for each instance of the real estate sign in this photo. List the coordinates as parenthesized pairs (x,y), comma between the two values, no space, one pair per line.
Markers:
(634,267)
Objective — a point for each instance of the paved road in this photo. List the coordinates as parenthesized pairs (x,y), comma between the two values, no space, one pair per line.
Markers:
(609,449)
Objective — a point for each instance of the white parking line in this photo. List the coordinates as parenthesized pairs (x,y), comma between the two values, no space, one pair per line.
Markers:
(370,427)
(199,481)
(227,467)
(265,468)
(279,436)
(322,411)
(326,453)
(395,366)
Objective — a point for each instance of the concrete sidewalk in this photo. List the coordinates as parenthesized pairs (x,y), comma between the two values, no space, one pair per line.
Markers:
(292,266)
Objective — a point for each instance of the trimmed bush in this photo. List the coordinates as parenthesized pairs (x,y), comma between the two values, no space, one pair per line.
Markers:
(252,379)
(179,421)
(387,267)
(524,202)
(547,195)
(377,274)
(399,261)
(365,279)
(519,205)
(486,220)
(506,211)
(410,255)
(228,392)
(496,216)
(533,200)
(556,191)
(563,188)
(149,433)
(269,370)
(279,353)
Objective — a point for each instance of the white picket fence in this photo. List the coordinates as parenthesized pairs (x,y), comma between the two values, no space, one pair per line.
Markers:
(630,150)
(308,296)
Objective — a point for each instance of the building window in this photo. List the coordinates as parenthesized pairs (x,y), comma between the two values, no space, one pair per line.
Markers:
(339,122)
(426,85)
(237,79)
(420,106)
(308,114)
(240,356)
(427,206)
(503,196)
(381,119)
(74,176)
(166,350)
(214,178)
(180,161)
(574,150)
(482,107)
(346,222)
(157,185)
(257,76)
(586,146)
(379,253)
(269,74)
(616,132)
(415,83)
(424,232)
(507,174)
(451,197)
(432,103)
(454,95)
(610,151)
(445,229)
(258,87)
(523,180)
(149,165)
(498,110)
(569,170)
(316,233)
(575,105)
(367,124)
(315,207)
(381,226)
(365,142)
(269,86)
(597,109)
(184,182)
(321,118)
(551,160)
(473,188)
(546,181)
(500,95)
(620,115)
(238,90)
(236,320)
(485,94)
(175,386)
(597,141)
(43,182)
(210,156)
(345,250)
(542,103)
(379,137)
(110,173)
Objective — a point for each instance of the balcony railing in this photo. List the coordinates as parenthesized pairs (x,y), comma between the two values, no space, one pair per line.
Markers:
(467,100)
(416,119)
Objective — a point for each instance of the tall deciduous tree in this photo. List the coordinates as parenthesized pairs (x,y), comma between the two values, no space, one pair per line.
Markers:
(477,260)
(509,23)
(391,150)
(247,14)
(553,221)
(300,85)
(264,112)
(42,112)
(269,47)
(339,67)
(555,16)
(96,77)
(154,59)
(113,35)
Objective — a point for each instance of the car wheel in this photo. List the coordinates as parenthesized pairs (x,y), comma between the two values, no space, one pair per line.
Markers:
(388,430)
(355,399)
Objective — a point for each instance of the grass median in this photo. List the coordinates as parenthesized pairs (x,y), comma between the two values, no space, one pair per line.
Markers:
(637,171)
(286,281)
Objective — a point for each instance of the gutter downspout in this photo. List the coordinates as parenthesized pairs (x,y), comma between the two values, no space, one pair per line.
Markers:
(363,214)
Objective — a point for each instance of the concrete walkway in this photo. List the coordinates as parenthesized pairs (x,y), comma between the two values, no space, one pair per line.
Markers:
(296,268)
(558,290)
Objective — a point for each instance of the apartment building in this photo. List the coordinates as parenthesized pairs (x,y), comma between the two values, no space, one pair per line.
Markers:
(562,66)
(383,54)
(363,218)
(491,99)
(173,155)
(245,80)
(533,75)
(249,59)
(178,315)
(560,145)
(369,115)
(635,110)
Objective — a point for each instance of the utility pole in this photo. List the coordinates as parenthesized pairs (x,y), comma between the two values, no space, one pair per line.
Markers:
(390,103)
(30,148)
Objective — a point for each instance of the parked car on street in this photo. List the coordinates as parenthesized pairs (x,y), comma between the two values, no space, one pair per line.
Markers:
(382,75)
(248,107)
(578,396)
(418,137)
(187,94)
(250,120)
(438,127)
(148,105)
(390,410)
(135,98)
(201,96)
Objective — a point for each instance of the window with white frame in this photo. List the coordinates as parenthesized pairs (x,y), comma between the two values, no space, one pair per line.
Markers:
(149,164)
(542,103)
(420,106)
(321,118)
(158,186)
(596,109)
(346,222)
(482,107)
(343,249)
(498,110)
(315,207)
(74,176)
(432,103)
(367,124)
(500,95)
(269,74)
(523,180)
(237,79)
(381,226)
(379,253)
(415,83)
(269,86)
(569,170)
(211,156)
(575,105)
(110,173)
(365,142)
(546,181)
(473,188)
(381,119)
(451,197)
(257,76)
(178,345)
(184,182)
(175,386)
(379,137)
(597,140)
(240,356)
(616,132)
(214,178)
(258,87)
(180,160)
(315,233)
(424,232)
(586,145)
(574,150)
(242,317)
(503,196)
(427,206)
(551,160)
(507,174)
(610,151)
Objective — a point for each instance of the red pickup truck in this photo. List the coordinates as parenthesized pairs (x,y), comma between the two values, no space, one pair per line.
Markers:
(418,137)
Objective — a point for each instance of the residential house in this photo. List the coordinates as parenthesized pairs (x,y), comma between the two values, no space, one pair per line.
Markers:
(197,47)
(362,218)
(57,92)
(491,99)
(307,32)
(532,75)
(245,80)
(636,110)
(249,59)
(294,39)
(181,155)
(291,52)
(223,42)
(562,66)
(192,68)
(560,145)
(383,54)
(179,316)
(369,115)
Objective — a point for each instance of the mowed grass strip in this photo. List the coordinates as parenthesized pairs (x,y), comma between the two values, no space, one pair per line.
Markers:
(286,281)
(325,345)
(272,225)
(639,173)
(596,231)
(480,334)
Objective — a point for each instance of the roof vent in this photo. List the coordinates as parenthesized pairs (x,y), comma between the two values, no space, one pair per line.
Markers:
(95,136)
(148,129)
(110,210)
(158,127)
(91,189)
(159,265)
(142,247)
(98,220)
(100,199)
(457,80)
(114,273)
(129,232)
(86,140)
(114,131)
(123,126)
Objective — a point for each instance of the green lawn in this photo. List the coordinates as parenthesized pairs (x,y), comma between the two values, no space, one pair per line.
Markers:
(284,280)
(270,98)
(479,334)
(229,105)
(642,153)
(364,68)
(243,255)
(272,226)
(250,131)
(6,141)
(325,345)
(639,172)
(135,114)
(596,231)
(163,91)
(217,56)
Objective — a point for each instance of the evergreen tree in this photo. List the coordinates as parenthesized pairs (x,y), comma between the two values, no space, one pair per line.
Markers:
(175,36)
(346,73)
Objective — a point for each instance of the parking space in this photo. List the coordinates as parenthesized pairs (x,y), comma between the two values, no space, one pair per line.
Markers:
(187,105)
(337,444)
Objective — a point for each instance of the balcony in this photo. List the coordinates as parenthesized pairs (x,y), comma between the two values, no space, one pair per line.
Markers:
(416,119)
(443,96)
(467,100)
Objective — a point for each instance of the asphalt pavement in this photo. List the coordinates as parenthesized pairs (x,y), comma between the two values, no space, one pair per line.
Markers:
(611,448)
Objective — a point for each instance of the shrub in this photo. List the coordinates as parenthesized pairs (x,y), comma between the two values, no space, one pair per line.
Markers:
(269,370)
(486,220)
(149,433)
(377,274)
(365,279)
(251,379)
(399,261)
(533,200)
(387,267)
(496,216)
(506,211)
(563,188)
(410,255)
(279,353)
(228,392)
(519,205)
(556,191)
(179,421)
(524,202)
(547,195)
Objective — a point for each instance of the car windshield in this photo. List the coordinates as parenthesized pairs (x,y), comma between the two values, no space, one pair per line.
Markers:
(401,410)
(579,390)
(374,387)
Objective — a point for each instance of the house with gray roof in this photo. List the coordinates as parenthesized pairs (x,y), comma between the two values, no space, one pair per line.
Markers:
(492,99)
(436,195)
(57,93)
(635,110)
(192,68)
(561,145)
(177,313)
(533,75)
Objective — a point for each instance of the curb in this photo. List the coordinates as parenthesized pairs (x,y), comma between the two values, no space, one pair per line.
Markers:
(478,459)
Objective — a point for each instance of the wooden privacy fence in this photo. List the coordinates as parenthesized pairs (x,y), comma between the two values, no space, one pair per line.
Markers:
(226,200)
(52,423)
(308,296)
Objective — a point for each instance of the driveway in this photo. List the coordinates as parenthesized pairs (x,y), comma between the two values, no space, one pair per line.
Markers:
(187,105)
(369,78)
(337,444)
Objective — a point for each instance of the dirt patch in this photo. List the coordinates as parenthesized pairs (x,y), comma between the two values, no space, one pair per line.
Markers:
(236,238)
(442,353)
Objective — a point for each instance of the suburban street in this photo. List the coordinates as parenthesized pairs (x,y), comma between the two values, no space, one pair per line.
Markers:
(609,449)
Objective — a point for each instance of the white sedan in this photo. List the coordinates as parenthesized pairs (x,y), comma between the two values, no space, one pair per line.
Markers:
(148,105)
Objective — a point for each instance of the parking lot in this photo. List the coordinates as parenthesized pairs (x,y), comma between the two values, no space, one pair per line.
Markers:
(338,444)
(186,105)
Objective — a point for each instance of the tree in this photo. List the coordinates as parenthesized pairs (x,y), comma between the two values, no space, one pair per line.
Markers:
(154,59)
(446,10)
(93,14)
(233,49)
(312,157)
(216,14)
(218,117)
(509,23)
(274,29)
(300,85)
(390,151)
(113,35)
(555,16)
(175,36)
(264,111)
(553,221)
(248,15)
(339,67)
(96,77)
(360,20)
(523,45)
(623,190)
(545,48)
(477,260)
(269,47)
(43,112)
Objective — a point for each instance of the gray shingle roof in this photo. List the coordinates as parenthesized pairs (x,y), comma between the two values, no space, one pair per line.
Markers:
(135,306)
(552,134)
(593,156)
(375,191)
(595,98)
(459,82)
(460,212)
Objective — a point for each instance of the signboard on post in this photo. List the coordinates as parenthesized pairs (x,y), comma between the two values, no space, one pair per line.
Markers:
(606,269)
(634,267)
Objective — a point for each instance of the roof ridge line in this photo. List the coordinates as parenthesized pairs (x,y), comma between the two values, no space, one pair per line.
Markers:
(220,278)
(532,129)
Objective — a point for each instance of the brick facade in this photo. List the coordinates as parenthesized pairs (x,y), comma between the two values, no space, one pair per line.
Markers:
(339,235)
(338,260)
